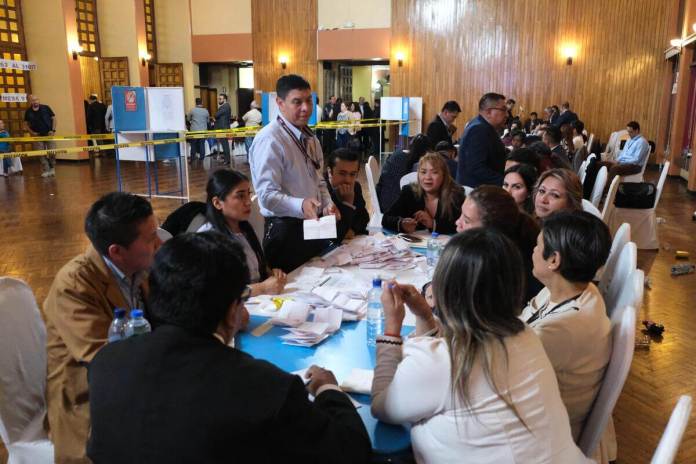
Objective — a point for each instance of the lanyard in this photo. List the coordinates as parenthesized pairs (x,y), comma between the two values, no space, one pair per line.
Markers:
(299,144)
(537,315)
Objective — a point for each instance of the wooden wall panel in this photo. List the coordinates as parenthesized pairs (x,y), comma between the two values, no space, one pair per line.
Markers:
(460,49)
(91,77)
(284,27)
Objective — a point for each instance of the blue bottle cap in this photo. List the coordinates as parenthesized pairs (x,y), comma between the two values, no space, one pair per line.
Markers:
(434,235)
(376,282)
(119,313)
(136,313)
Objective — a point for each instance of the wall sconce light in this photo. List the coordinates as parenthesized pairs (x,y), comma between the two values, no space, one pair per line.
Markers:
(693,26)
(676,43)
(283,60)
(400,58)
(144,58)
(75,50)
(570,52)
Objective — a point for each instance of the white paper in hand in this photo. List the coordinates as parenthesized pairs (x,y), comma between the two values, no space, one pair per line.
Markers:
(323,228)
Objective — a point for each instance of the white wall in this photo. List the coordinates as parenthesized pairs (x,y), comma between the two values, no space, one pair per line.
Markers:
(364,14)
(220,16)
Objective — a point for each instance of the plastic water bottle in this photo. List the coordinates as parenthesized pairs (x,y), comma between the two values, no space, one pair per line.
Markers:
(375,312)
(137,325)
(117,329)
(433,252)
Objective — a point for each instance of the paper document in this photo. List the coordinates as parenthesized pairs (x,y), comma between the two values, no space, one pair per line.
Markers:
(359,381)
(315,229)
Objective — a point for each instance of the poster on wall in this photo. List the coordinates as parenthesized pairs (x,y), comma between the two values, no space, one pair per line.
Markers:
(166,109)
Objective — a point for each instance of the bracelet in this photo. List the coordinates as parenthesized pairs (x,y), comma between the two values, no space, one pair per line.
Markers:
(390,342)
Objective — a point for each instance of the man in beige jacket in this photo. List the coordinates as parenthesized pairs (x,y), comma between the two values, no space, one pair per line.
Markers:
(79,309)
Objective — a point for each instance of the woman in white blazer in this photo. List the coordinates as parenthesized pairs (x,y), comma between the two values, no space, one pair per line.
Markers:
(569,315)
(477,386)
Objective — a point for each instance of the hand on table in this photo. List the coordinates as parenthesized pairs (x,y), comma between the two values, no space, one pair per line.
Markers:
(424,218)
(275,284)
(408,225)
(318,377)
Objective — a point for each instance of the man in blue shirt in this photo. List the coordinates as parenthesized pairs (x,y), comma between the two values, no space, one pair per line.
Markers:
(286,169)
(633,157)
(481,153)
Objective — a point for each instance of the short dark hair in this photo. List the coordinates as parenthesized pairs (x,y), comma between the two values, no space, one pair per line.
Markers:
(634,125)
(511,100)
(525,156)
(444,145)
(114,219)
(290,82)
(555,108)
(199,101)
(224,95)
(566,105)
(533,113)
(540,148)
(194,280)
(581,239)
(93,97)
(420,145)
(554,134)
(578,125)
(343,154)
(521,134)
(451,106)
(489,99)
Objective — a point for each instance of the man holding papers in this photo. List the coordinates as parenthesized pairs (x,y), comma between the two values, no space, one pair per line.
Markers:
(286,164)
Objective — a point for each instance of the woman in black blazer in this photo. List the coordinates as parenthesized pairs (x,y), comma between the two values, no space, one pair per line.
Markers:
(432,203)
(227,210)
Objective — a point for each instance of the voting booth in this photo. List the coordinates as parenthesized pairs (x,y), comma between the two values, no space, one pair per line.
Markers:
(144,114)
(407,110)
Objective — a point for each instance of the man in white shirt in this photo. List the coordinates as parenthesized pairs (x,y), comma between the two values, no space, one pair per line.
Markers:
(251,118)
(286,169)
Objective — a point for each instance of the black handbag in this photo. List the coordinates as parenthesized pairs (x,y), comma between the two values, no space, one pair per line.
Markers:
(635,195)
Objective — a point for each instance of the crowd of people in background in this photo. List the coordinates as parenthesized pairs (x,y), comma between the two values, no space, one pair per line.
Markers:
(512,339)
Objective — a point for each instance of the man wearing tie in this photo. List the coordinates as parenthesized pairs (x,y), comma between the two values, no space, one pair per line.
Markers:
(286,170)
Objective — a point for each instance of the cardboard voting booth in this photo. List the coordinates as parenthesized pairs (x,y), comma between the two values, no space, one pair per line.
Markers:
(151,113)
(409,110)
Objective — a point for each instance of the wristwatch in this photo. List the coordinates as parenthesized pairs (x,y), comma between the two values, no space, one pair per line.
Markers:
(246,293)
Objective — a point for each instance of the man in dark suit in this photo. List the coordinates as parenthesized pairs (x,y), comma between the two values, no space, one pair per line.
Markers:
(96,112)
(341,177)
(223,119)
(552,138)
(182,394)
(553,115)
(366,133)
(565,117)
(442,127)
(481,153)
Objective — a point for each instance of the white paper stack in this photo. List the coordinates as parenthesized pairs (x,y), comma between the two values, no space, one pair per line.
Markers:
(359,381)
(326,321)
(375,252)
(353,309)
(292,313)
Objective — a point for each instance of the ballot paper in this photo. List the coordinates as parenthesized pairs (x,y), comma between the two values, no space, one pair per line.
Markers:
(292,313)
(330,316)
(323,228)
(359,381)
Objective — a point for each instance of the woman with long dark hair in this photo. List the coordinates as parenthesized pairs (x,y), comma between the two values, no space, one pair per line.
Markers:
(519,182)
(227,210)
(475,385)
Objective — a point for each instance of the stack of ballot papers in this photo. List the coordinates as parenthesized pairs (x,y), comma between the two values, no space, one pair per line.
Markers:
(301,332)
(375,252)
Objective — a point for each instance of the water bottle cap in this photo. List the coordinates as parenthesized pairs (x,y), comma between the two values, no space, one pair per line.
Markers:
(136,313)
(119,313)
(434,235)
(376,282)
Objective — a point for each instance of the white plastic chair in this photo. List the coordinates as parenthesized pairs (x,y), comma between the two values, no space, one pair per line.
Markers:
(467,189)
(605,274)
(22,375)
(588,207)
(256,219)
(590,141)
(598,188)
(373,166)
(671,438)
(582,170)
(630,294)
(623,334)
(621,276)
(611,195)
(643,221)
(376,218)
(409,178)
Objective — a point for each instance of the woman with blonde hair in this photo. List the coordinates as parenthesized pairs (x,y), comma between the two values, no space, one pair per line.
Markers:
(431,203)
(476,386)
(556,190)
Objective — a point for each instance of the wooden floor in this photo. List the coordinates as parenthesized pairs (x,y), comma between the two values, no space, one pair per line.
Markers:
(41,227)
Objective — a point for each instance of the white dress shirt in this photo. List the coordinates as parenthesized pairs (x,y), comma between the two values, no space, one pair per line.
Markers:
(281,174)
(417,390)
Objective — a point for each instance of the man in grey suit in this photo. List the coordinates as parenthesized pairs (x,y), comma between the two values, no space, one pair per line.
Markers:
(198,121)
(223,118)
